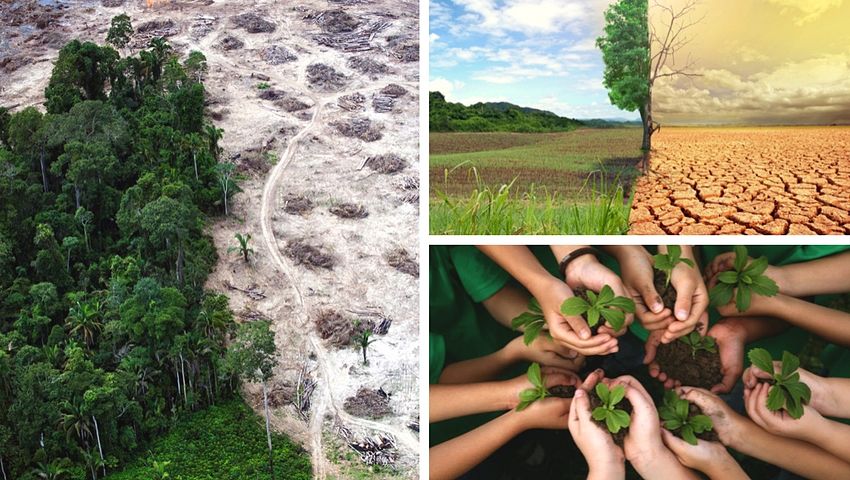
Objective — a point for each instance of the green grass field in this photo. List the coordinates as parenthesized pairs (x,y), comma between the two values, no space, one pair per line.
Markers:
(532,183)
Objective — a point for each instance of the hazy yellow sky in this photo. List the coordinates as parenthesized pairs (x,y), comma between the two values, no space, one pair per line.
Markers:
(762,62)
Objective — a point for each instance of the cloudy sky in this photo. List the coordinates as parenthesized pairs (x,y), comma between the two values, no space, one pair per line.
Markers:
(534,53)
(762,62)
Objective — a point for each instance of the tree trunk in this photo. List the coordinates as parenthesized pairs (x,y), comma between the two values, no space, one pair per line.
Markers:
(225,200)
(99,447)
(77,195)
(183,371)
(43,170)
(68,261)
(3,468)
(365,362)
(268,429)
(86,235)
(180,262)
(195,161)
(644,118)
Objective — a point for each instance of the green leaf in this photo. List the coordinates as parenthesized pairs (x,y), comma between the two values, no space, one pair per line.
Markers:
(790,364)
(532,331)
(623,303)
(528,395)
(701,423)
(524,319)
(672,424)
(756,267)
(615,318)
(688,262)
(721,294)
(534,306)
(765,286)
(602,392)
(800,391)
(522,406)
(674,252)
(793,406)
(682,408)
(761,359)
(729,277)
(592,317)
(599,413)
(688,434)
(617,394)
(574,306)
(534,375)
(661,262)
(740,257)
(742,302)
(775,398)
(605,295)
(621,418)
(667,413)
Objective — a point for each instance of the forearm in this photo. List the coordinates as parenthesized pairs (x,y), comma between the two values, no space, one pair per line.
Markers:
(837,389)
(506,304)
(620,252)
(729,470)
(521,264)
(479,369)
(457,456)
(833,325)
(661,465)
(452,401)
(817,277)
(798,456)
(756,328)
(833,437)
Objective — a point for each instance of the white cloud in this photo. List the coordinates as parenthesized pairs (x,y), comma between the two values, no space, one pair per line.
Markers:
(433,38)
(445,86)
(526,16)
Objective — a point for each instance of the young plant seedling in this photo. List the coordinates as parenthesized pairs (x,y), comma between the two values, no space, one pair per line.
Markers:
(537,392)
(531,321)
(697,342)
(743,280)
(677,417)
(605,305)
(666,262)
(787,392)
(615,419)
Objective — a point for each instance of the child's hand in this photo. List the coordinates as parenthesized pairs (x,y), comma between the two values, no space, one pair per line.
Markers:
(779,422)
(604,458)
(651,347)
(550,413)
(691,309)
(727,423)
(822,400)
(571,331)
(705,456)
(636,268)
(726,261)
(552,377)
(643,440)
(545,351)
(586,271)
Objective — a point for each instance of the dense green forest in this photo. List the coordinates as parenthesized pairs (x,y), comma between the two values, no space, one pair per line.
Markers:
(492,117)
(107,337)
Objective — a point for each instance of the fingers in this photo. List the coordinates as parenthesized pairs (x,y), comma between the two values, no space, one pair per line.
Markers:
(685,290)
(579,410)
(752,375)
(601,344)
(675,444)
(650,297)
(705,400)
(726,383)
(651,348)
(558,379)
(591,380)
(577,325)
(722,262)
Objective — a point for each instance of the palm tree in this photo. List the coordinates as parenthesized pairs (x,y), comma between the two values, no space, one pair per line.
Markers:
(75,421)
(243,247)
(84,320)
(364,339)
(213,135)
(50,471)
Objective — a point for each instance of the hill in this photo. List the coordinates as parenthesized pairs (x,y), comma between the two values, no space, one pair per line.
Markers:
(493,117)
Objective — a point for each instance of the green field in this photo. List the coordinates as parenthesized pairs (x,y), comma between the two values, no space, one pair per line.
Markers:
(532,183)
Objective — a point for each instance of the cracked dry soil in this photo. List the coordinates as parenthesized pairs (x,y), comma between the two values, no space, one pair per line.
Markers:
(751,181)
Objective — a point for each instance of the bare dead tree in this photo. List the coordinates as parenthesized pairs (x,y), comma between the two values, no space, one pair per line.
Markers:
(667,37)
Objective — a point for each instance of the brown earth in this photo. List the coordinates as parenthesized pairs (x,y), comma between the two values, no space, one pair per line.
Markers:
(751,181)
(675,359)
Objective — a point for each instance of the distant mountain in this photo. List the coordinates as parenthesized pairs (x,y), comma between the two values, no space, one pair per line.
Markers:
(493,117)
(610,123)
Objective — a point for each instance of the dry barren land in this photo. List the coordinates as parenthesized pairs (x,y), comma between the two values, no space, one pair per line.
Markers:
(772,181)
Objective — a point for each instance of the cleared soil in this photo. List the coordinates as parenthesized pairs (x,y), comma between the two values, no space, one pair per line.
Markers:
(287,154)
(770,181)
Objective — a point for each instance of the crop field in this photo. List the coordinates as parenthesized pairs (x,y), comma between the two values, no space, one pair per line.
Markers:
(772,181)
(548,175)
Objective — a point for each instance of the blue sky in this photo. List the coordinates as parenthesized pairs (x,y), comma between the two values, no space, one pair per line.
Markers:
(534,53)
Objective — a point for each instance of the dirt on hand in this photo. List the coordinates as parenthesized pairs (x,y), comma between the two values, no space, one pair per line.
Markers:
(701,370)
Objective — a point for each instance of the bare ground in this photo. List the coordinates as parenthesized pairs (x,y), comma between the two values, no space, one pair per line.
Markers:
(314,161)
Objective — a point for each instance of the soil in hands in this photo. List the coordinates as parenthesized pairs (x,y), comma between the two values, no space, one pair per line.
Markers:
(624,405)
(708,435)
(677,361)
(563,391)
(665,291)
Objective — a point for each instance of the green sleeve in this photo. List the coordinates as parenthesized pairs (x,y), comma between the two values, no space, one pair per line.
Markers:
(436,356)
(481,277)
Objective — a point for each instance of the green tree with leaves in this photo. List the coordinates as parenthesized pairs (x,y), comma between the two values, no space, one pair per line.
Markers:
(120,31)
(227,181)
(242,248)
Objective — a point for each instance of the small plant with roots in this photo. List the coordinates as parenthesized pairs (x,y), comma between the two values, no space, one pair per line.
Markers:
(242,248)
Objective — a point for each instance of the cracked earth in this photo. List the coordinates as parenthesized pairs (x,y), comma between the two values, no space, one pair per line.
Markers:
(751,181)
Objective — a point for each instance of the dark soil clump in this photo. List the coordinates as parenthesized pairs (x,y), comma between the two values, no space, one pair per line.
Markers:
(297,204)
(272,94)
(624,405)
(155,25)
(253,23)
(367,65)
(386,163)
(563,391)
(112,3)
(667,292)
(407,53)
(358,127)
(368,404)
(276,55)
(303,253)
(325,77)
(676,360)
(338,330)
(349,210)
(231,43)
(394,90)
(291,104)
(337,21)
(403,262)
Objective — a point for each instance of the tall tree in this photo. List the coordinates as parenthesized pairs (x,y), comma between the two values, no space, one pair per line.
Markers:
(27,138)
(227,179)
(120,31)
(252,357)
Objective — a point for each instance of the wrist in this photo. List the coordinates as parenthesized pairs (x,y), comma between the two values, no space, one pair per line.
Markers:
(513,423)
(779,275)
(622,252)
(660,463)
(614,468)
(576,266)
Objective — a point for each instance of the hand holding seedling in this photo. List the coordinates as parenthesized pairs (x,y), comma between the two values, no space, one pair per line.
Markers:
(788,392)
(727,423)
(780,422)
(745,279)
(588,273)
(825,398)
(604,306)
(604,458)
(535,384)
